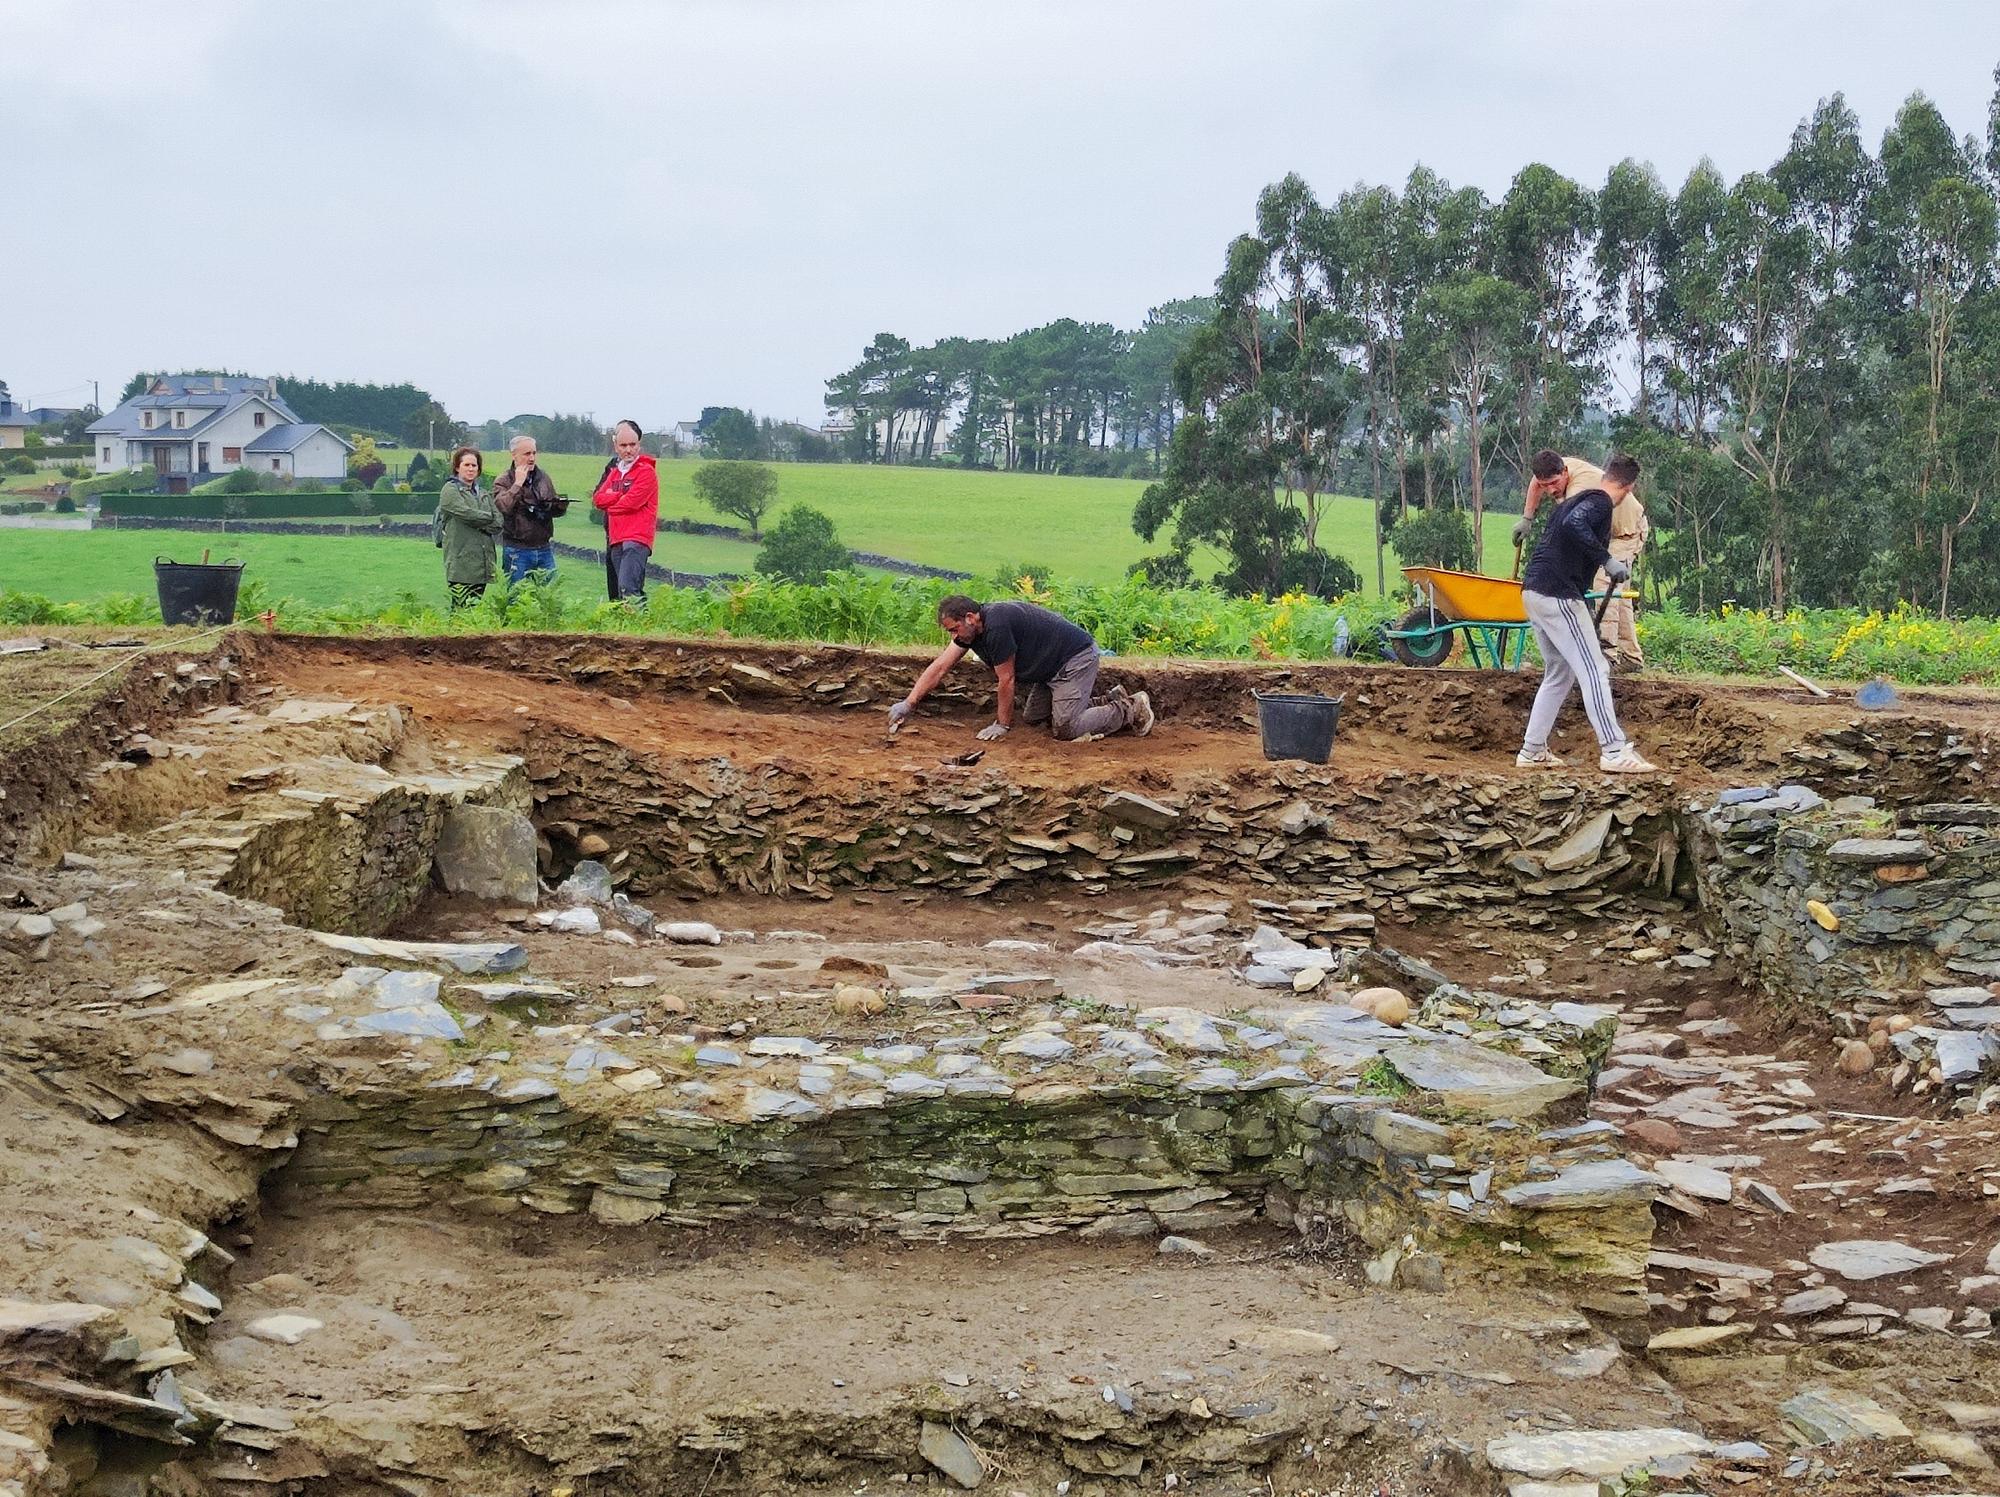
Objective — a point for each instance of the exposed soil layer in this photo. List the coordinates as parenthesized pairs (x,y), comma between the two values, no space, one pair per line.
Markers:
(721,700)
(785,1363)
(555,1354)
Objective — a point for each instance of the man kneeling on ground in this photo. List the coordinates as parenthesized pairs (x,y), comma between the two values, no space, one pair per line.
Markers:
(1576,544)
(1028,646)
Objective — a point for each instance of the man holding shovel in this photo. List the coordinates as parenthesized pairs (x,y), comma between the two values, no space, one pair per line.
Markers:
(1029,646)
(1574,546)
(1553,476)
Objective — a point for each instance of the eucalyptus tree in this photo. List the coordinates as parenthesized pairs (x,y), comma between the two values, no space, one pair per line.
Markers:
(1269,396)
(1540,240)
(1632,221)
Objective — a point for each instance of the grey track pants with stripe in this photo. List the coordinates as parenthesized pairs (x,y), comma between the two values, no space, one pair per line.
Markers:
(1571,656)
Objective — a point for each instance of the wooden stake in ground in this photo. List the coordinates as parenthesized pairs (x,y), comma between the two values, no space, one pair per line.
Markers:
(1812,686)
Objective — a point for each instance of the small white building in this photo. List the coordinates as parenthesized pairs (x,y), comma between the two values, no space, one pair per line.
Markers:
(195,427)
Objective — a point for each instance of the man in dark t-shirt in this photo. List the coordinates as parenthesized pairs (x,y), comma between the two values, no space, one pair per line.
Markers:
(1575,545)
(1032,647)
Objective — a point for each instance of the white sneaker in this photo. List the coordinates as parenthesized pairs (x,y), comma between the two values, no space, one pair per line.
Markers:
(1537,759)
(1139,710)
(1625,761)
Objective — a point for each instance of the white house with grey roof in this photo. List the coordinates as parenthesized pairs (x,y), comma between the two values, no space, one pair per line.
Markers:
(195,427)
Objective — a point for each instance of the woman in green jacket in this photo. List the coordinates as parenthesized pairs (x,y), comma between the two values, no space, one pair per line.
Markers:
(468,525)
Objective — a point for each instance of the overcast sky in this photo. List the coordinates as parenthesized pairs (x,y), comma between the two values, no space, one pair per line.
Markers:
(634,208)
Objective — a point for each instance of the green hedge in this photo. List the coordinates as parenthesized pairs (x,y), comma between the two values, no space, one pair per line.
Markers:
(55,451)
(334,506)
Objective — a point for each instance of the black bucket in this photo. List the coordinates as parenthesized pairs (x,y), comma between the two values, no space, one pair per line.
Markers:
(197,592)
(1295,725)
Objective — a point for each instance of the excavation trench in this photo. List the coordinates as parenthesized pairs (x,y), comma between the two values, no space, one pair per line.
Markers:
(869,1180)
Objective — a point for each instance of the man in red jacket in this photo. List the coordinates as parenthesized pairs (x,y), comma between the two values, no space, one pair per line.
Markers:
(629,495)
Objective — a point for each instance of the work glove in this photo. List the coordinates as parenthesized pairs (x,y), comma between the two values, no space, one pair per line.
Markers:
(992,731)
(1521,528)
(898,713)
(1620,572)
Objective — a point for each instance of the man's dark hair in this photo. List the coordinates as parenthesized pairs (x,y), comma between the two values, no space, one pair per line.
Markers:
(1624,468)
(635,428)
(955,607)
(1546,463)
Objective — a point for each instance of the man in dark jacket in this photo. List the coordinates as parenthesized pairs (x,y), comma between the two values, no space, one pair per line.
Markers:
(528,503)
(1029,646)
(1576,544)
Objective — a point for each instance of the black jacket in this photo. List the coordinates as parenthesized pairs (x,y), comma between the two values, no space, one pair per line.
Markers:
(1574,545)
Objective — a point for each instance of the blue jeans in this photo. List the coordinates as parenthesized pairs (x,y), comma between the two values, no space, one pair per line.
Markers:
(521,560)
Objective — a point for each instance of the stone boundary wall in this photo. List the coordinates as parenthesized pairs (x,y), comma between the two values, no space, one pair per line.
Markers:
(1825,903)
(1889,926)
(336,844)
(1558,1206)
(1413,844)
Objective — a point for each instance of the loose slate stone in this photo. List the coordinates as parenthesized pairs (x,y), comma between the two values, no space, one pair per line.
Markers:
(1581,847)
(1831,1416)
(285,1330)
(1186,1028)
(1477,1079)
(1582,1187)
(1138,810)
(1040,1046)
(1863,1259)
(1813,1301)
(465,956)
(22,1318)
(1590,1452)
(1878,850)
(1702,1183)
(945,1449)
(1690,1337)
(794,1046)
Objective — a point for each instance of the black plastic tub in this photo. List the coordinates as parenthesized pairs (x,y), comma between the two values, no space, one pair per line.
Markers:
(1296,725)
(197,592)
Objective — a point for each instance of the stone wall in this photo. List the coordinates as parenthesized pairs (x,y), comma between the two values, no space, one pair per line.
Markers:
(1825,903)
(335,843)
(1887,924)
(1409,844)
(1450,1132)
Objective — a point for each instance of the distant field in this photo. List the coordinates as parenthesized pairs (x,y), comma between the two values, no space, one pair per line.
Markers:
(325,571)
(974,522)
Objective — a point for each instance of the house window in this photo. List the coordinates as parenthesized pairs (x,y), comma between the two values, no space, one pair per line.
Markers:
(180,418)
(257,419)
(232,454)
(274,465)
(107,454)
(146,420)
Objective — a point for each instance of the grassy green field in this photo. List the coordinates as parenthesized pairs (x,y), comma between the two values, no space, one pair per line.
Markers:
(974,522)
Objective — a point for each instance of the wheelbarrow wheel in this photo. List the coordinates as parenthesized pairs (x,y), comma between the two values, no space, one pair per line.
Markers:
(1425,649)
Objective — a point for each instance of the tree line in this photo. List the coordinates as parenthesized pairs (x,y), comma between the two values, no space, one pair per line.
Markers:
(1067,397)
(1806,360)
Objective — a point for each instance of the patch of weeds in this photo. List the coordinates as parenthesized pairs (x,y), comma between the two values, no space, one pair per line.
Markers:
(1380,1079)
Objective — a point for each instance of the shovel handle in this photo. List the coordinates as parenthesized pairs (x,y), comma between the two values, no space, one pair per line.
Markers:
(1517,561)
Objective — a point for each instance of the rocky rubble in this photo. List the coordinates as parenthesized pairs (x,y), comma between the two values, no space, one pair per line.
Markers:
(1412,844)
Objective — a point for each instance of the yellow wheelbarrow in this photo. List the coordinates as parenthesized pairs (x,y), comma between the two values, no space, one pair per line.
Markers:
(1487,610)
